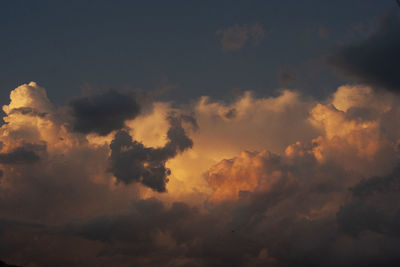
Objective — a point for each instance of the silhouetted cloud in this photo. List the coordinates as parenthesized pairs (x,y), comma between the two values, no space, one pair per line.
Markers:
(131,161)
(103,113)
(376,60)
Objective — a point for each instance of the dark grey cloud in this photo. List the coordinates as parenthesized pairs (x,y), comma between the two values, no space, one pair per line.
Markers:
(178,141)
(21,155)
(103,113)
(28,111)
(131,161)
(374,207)
(151,219)
(378,185)
(376,60)
(117,227)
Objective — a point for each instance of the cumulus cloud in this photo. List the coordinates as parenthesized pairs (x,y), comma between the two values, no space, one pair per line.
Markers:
(227,176)
(69,167)
(376,60)
(29,97)
(275,181)
(251,123)
(235,37)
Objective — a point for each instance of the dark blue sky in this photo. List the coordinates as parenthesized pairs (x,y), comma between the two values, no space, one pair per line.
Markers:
(66,45)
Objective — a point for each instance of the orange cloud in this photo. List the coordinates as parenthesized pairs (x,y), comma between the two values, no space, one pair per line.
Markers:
(247,172)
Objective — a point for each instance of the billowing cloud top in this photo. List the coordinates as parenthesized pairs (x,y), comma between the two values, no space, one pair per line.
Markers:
(275,181)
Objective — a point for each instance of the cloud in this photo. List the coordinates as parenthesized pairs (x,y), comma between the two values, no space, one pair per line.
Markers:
(225,129)
(20,155)
(28,111)
(226,177)
(287,76)
(373,207)
(103,113)
(29,97)
(376,60)
(273,181)
(235,37)
(133,162)
(250,123)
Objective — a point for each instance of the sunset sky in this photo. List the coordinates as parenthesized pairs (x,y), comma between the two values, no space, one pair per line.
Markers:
(200,133)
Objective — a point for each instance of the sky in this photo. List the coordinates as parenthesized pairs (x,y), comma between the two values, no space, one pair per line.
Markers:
(200,133)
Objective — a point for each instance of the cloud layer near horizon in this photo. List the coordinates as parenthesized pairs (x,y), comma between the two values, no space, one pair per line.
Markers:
(277,181)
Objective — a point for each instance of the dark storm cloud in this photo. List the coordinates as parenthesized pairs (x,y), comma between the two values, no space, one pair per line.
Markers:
(20,155)
(103,113)
(131,161)
(376,60)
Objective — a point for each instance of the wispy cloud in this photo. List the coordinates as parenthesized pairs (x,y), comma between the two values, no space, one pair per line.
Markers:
(236,37)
